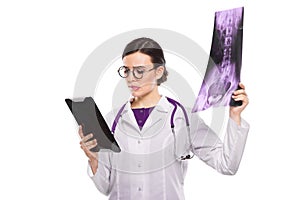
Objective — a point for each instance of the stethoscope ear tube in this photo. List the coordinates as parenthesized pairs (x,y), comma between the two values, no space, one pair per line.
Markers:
(175,103)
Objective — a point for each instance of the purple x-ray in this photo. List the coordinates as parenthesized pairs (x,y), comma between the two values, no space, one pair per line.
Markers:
(224,66)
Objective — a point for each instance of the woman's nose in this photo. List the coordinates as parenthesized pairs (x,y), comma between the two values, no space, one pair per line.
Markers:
(130,76)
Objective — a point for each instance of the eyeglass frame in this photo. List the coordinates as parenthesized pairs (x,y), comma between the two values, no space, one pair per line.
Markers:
(133,71)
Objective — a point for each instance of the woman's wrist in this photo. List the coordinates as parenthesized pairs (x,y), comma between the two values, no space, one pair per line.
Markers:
(235,117)
(94,164)
(93,161)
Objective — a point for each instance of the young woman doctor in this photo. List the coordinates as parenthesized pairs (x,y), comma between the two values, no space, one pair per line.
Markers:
(156,136)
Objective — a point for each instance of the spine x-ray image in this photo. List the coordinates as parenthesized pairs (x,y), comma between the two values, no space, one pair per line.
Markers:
(224,66)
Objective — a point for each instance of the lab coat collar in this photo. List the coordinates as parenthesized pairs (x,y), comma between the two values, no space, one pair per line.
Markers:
(155,121)
(163,105)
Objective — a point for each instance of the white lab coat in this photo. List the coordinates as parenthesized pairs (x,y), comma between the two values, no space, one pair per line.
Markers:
(148,166)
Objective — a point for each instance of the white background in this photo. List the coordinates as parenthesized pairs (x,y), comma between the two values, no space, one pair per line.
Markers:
(43,45)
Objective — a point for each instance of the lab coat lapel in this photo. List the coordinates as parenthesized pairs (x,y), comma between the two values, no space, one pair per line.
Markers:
(128,121)
(157,118)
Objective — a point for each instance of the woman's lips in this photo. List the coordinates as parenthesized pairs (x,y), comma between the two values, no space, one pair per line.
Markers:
(134,88)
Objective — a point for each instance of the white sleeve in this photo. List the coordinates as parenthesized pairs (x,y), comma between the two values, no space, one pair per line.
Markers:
(224,156)
(101,178)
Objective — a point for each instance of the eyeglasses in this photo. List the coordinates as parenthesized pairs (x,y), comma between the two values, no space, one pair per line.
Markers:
(137,71)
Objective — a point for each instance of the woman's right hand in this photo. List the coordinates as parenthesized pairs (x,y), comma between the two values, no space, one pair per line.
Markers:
(86,145)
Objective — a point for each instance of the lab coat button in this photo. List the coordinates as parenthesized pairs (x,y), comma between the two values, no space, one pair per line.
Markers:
(139,141)
(139,165)
(139,189)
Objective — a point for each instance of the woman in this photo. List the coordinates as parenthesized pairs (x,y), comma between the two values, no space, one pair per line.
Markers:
(156,135)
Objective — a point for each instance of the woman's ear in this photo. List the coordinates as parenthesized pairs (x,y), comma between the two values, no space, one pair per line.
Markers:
(159,72)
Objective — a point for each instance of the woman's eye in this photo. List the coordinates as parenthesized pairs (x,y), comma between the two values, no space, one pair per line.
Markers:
(140,71)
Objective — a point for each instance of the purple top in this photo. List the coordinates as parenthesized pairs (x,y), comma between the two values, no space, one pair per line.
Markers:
(141,115)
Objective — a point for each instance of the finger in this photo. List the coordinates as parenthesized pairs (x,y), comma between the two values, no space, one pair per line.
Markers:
(80,132)
(238,97)
(241,97)
(88,146)
(84,146)
(92,142)
(92,145)
(87,137)
(239,92)
(242,85)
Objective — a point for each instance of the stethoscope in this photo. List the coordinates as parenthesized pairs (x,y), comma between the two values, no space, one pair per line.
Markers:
(175,104)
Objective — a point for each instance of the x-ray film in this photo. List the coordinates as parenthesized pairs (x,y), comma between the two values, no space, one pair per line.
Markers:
(222,75)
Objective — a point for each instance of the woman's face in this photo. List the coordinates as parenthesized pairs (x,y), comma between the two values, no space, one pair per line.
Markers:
(142,63)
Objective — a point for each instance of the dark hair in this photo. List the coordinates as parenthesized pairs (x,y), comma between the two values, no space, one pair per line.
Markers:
(151,48)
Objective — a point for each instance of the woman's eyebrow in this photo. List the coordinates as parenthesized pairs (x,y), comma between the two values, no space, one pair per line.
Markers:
(139,66)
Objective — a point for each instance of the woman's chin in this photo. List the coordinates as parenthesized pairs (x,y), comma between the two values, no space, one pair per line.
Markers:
(138,94)
(135,94)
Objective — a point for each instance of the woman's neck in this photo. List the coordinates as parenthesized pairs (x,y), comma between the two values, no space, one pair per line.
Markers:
(146,101)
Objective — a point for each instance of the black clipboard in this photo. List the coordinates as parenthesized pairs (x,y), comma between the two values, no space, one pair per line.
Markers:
(87,114)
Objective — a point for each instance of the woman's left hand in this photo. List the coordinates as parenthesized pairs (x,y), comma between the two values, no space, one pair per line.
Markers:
(239,95)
